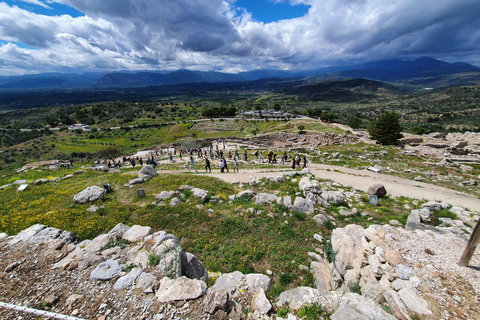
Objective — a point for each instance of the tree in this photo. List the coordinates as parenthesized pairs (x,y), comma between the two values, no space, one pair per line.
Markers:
(110,152)
(386,129)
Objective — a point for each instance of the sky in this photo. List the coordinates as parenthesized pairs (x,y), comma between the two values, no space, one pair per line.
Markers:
(77,36)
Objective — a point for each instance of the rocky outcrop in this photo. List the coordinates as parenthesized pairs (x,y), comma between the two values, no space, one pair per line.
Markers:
(90,195)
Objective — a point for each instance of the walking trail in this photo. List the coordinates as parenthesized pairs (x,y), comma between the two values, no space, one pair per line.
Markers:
(362,180)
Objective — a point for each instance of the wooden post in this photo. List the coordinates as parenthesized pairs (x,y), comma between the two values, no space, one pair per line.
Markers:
(471,245)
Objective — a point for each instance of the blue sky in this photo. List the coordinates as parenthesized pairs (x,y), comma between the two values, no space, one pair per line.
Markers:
(230,35)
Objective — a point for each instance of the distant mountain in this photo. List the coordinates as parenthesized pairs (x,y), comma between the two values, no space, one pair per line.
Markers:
(49,80)
(398,70)
(145,79)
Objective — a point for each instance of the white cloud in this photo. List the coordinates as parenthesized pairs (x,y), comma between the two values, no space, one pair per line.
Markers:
(213,34)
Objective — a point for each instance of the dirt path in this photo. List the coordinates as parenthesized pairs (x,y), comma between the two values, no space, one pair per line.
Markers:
(362,180)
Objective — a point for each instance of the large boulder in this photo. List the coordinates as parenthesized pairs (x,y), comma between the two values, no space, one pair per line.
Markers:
(246,194)
(322,276)
(265,198)
(106,271)
(215,299)
(90,195)
(348,248)
(180,289)
(192,267)
(147,172)
(354,306)
(377,190)
(136,233)
(164,195)
(308,186)
(200,193)
(335,197)
(234,283)
(303,205)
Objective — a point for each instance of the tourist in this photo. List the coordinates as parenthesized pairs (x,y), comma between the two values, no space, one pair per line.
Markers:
(222,166)
(192,164)
(304,162)
(260,158)
(293,164)
(207,165)
(235,165)
(225,164)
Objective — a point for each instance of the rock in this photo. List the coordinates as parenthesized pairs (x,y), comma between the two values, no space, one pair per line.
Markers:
(374,263)
(305,171)
(395,223)
(145,280)
(215,299)
(345,212)
(377,190)
(235,281)
(47,235)
(136,233)
(19,182)
(118,230)
(287,201)
(404,272)
(260,302)
(278,178)
(180,289)
(98,243)
(380,254)
(40,181)
(192,267)
(147,172)
(393,257)
(184,187)
(413,301)
(106,271)
(318,237)
(369,285)
(432,206)
(322,276)
(164,195)
(200,193)
(320,219)
(334,197)
(298,297)
(419,178)
(248,194)
(265,198)
(354,306)
(26,234)
(127,279)
(413,220)
(303,205)
(174,202)
(394,302)
(136,181)
(348,249)
(90,194)
(72,299)
(309,187)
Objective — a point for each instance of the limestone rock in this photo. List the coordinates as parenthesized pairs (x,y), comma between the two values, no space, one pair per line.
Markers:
(320,219)
(215,299)
(248,194)
(432,206)
(348,249)
(334,197)
(127,279)
(118,230)
(174,202)
(180,289)
(136,181)
(322,275)
(354,306)
(136,233)
(413,301)
(265,198)
(106,270)
(304,206)
(369,285)
(404,272)
(90,194)
(164,195)
(147,172)
(200,193)
(145,280)
(260,302)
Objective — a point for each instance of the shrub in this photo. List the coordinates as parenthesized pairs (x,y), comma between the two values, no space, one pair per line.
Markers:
(311,312)
(153,259)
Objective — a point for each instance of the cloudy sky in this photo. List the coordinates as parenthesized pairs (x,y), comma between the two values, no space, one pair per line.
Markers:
(230,35)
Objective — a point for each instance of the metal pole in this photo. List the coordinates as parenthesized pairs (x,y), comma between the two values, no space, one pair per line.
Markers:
(471,245)
(42,313)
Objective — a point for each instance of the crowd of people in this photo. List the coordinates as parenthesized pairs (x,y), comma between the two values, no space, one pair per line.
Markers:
(217,151)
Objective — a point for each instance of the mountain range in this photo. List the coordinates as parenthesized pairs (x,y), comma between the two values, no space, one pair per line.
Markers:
(384,70)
